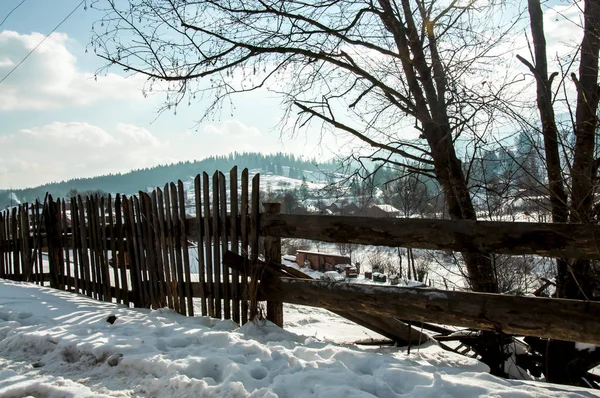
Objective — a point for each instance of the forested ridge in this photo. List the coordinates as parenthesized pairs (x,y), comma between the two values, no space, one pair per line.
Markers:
(136,180)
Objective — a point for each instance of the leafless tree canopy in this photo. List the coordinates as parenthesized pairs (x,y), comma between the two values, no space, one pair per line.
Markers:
(406,77)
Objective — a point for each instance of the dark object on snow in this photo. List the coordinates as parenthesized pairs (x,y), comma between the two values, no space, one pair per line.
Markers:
(114,359)
(111,319)
(37,364)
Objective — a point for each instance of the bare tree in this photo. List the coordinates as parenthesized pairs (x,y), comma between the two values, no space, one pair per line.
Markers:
(371,69)
(571,194)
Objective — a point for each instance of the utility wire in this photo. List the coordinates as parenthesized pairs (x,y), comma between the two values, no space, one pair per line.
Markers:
(42,41)
(11,11)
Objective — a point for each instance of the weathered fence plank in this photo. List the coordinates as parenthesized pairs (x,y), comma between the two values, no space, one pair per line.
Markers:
(120,261)
(200,237)
(235,275)
(516,238)
(165,231)
(207,240)
(224,244)
(65,242)
(178,248)
(530,316)
(216,240)
(158,249)
(245,244)
(185,251)
(171,244)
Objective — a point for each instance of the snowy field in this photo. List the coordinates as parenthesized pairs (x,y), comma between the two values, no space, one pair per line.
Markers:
(58,344)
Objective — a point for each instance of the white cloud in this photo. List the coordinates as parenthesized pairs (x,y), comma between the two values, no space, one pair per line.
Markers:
(231,129)
(63,150)
(50,77)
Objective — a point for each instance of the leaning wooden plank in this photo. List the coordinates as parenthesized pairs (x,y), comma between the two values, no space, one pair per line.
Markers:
(201,269)
(560,319)
(186,254)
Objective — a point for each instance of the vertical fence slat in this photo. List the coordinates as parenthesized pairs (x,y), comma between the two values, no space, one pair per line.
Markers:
(235,276)
(120,261)
(2,247)
(223,216)
(60,240)
(39,243)
(74,245)
(148,265)
(210,286)
(244,249)
(91,235)
(158,249)
(178,248)
(186,254)
(164,243)
(104,252)
(201,269)
(65,241)
(150,252)
(254,236)
(113,249)
(216,248)
(141,256)
(27,255)
(83,244)
(132,244)
(170,225)
(15,237)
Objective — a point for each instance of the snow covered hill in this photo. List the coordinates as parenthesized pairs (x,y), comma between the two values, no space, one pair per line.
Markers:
(58,344)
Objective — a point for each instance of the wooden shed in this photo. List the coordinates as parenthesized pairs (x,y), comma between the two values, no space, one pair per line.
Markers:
(320,261)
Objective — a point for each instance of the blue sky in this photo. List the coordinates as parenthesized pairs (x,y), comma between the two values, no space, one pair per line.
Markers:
(58,122)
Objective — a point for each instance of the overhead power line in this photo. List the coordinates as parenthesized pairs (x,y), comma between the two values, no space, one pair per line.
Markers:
(11,11)
(42,41)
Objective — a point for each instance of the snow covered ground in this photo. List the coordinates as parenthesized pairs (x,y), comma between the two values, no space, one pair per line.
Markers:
(58,344)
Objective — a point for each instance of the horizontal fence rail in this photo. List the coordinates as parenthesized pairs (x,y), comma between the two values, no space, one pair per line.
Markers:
(514,238)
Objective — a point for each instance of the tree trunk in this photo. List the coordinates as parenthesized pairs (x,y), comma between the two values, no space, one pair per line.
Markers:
(449,172)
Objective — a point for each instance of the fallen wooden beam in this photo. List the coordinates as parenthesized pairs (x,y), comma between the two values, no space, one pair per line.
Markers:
(560,319)
(390,327)
(515,238)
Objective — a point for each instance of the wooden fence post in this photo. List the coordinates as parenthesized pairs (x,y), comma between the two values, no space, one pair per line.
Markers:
(273,254)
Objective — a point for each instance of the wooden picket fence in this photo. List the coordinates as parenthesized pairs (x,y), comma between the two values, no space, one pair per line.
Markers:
(135,250)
